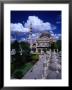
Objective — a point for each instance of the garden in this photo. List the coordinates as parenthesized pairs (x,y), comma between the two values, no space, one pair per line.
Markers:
(22,60)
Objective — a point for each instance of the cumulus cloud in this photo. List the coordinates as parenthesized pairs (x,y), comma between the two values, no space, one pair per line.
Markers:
(22,39)
(57,36)
(12,39)
(52,33)
(34,36)
(18,27)
(38,24)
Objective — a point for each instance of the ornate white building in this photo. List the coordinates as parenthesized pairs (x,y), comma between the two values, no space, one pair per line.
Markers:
(42,43)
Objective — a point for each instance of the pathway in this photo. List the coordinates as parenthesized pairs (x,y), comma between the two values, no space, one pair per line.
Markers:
(36,71)
(53,69)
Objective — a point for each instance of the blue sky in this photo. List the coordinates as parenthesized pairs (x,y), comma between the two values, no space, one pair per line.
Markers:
(41,21)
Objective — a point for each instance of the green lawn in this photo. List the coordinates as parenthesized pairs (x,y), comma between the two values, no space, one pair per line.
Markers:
(20,72)
(26,67)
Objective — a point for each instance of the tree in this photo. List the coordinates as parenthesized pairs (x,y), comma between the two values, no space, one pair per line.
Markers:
(19,59)
(54,45)
(26,56)
(15,45)
(59,45)
(16,58)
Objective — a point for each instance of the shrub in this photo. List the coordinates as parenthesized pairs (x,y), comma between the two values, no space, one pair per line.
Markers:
(18,74)
(59,45)
(12,68)
(35,57)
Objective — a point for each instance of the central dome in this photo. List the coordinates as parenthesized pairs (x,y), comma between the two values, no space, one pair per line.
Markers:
(47,34)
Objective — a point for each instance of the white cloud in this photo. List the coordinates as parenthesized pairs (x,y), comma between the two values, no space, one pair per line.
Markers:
(52,33)
(12,39)
(22,39)
(35,35)
(57,36)
(38,24)
(18,27)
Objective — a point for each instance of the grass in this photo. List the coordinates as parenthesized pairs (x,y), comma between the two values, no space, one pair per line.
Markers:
(19,73)
(35,58)
(26,67)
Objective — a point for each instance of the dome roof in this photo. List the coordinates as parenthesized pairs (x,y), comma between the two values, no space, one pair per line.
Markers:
(47,34)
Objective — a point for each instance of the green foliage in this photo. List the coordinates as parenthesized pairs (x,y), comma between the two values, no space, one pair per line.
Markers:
(59,45)
(26,56)
(18,60)
(25,45)
(18,74)
(35,58)
(26,67)
(56,45)
(12,68)
(15,46)
(53,46)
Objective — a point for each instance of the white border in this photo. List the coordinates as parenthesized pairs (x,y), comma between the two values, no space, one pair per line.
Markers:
(65,27)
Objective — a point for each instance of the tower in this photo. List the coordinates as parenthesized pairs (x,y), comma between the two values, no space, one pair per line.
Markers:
(31,28)
(30,35)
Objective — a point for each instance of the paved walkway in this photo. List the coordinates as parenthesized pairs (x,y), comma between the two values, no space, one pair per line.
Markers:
(54,70)
(36,71)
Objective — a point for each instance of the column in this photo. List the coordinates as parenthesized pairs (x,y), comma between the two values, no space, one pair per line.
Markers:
(57,50)
(36,47)
(36,50)
(50,52)
(41,50)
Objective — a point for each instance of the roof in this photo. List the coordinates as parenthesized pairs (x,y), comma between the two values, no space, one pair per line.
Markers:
(47,34)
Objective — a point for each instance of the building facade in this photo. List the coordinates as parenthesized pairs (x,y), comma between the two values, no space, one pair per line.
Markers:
(43,43)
